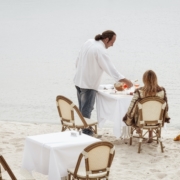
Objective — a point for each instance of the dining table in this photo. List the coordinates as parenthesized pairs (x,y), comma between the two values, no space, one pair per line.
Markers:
(52,154)
(112,105)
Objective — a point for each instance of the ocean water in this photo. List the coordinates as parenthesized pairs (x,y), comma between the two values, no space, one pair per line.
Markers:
(40,41)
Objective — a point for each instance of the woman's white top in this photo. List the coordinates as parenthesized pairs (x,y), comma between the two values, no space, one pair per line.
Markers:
(92,61)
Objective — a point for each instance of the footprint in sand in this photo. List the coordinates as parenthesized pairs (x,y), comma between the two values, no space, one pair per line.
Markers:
(154,160)
(161,175)
(16,140)
(178,173)
(166,156)
(19,150)
(152,154)
(154,170)
(19,145)
(124,163)
(5,142)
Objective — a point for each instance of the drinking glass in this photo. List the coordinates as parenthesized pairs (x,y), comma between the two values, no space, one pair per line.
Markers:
(136,84)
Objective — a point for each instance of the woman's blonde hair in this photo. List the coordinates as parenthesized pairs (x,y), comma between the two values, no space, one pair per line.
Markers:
(151,86)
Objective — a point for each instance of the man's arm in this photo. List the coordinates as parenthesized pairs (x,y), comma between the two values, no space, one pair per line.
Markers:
(109,68)
(106,64)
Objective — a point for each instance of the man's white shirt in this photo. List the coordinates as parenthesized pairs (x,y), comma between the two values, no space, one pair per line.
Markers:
(92,61)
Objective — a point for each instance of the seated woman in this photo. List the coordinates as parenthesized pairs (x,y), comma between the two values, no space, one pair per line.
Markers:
(150,88)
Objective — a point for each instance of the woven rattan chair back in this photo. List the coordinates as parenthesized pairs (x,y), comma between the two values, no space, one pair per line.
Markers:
(104,150)
(151,111)
(67,110)
(98,158)
(150,118)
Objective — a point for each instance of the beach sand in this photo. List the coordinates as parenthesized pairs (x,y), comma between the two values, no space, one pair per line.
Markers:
(38,55)
(127,164)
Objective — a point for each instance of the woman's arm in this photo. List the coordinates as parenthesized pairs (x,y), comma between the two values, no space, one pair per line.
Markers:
(133,102)
(128,118)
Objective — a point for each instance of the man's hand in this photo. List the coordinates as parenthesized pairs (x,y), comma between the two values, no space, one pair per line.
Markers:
(119,86)
(127,82)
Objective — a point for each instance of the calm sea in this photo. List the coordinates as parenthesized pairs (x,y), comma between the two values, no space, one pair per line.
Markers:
(40,40)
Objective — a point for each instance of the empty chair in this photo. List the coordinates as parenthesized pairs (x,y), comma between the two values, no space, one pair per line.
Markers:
(150,119)
(8,174)
(97,158)
(66,109)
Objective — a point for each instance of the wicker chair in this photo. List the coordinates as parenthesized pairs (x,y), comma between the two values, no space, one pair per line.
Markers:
(151,119)
(98,158)
(67,111)
(8,174)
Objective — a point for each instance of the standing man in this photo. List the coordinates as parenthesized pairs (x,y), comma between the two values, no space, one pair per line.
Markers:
(92,61)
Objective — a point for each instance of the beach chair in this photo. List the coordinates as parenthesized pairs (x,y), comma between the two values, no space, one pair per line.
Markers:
(8,174)
(67,110)
(98,158)
(151,118)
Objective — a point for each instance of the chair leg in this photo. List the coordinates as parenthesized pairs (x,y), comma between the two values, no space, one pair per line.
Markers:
(131,135)
(0,173)
(63,128)
(161,144)
(95,129)
(130,141)
(140,140)
(150,138)
(139,148)
(162,148)
(69,176)
(157,135)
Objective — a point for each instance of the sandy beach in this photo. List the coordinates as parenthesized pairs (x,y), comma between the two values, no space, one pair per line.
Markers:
(40,41)
(150,164)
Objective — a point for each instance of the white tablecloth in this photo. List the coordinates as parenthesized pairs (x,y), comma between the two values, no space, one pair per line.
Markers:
(52,154)
(113,106)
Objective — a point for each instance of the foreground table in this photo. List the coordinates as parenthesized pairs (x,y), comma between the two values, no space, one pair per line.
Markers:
(52,154)
(112,106)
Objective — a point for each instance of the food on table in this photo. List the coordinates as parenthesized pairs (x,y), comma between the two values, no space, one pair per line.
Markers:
(120,86)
